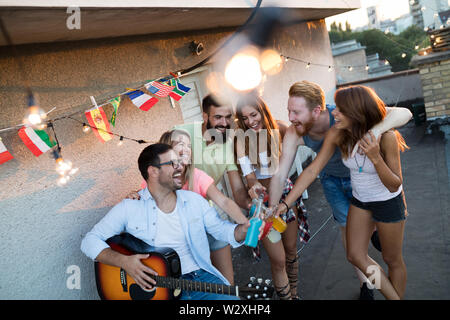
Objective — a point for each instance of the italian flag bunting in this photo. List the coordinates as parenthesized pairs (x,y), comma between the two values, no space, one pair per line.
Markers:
(37,141)
(4,153)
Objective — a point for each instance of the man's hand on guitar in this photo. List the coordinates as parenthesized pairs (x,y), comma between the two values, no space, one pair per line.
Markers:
(139,271)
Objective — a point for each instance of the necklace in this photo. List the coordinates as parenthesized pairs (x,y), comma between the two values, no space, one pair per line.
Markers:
(360,167)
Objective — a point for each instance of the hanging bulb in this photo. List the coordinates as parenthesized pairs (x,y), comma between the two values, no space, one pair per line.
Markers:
(34,116)
(86,128)
(330,69)
(403,55)
(286,59)
(350,68)
(416,47)
(120,141)
(308,65)
(244,60)
(63,166)
(386,62)
(243,71)
(367,67)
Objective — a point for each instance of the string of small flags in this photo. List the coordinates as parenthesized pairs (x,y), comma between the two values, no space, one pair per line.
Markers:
(38,141)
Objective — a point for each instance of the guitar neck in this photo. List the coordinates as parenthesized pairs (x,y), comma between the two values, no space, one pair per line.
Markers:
(189,285)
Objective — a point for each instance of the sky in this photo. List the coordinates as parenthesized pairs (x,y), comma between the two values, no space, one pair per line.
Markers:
(388,9)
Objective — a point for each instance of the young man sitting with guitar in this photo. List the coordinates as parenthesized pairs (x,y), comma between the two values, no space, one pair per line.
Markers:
(165,216)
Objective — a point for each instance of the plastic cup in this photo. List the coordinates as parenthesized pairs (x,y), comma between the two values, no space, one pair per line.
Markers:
(274,236)
(279,224)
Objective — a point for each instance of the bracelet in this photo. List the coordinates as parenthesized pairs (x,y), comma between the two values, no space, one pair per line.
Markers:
(287,207)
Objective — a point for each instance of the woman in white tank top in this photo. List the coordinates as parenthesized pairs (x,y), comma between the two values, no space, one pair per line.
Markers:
(376,177)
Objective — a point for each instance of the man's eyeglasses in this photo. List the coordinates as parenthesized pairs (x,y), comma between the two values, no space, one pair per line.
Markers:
(174,163)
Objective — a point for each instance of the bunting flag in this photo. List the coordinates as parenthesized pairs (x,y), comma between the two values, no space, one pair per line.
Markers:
(179,90)
(4,153)
(115,102)
(142,100)
(97,120)
(151,88)
(163,89)
(37,141)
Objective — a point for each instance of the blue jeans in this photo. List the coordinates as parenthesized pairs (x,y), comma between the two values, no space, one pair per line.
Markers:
(338,192)
(203,276)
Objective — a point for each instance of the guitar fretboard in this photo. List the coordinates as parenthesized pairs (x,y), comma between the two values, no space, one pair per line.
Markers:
(189,285)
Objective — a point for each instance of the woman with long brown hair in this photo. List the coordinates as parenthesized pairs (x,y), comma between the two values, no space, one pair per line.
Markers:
(376,177)
(257,150)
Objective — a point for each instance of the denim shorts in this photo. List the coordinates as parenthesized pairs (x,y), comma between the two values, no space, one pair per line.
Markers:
(215,244)
(203,276)
(388,211)
(338,192)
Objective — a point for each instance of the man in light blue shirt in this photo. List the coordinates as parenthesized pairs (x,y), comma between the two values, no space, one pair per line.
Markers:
(165,216)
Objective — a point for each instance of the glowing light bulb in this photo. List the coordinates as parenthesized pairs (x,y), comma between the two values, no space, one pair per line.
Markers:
(35,117)
(330,69)
(403,55)
(367,67)
(308,65)
(62,167)
(243,71)
(386,62)
(85,128)
(271,61)
(350,68)
(416,47)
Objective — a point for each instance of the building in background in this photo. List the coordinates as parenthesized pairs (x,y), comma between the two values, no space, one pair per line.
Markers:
(374,17)
(352,64)
(426,13)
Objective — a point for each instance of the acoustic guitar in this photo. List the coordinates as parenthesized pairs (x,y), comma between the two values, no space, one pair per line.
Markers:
(113,283)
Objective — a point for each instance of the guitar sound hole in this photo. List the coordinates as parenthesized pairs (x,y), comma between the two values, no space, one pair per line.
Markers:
(137,293)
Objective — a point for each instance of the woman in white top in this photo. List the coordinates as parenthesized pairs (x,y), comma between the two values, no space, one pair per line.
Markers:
(257,147)
(376,178)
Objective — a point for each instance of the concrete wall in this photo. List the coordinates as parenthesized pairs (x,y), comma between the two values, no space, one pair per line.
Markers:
(41,224)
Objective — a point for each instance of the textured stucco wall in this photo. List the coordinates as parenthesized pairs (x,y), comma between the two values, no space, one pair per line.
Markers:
(41,224)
